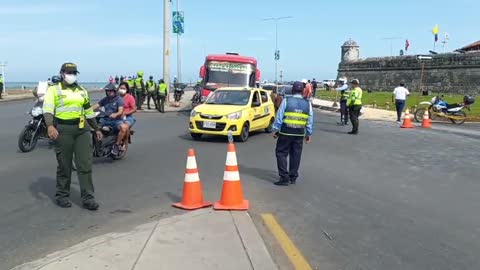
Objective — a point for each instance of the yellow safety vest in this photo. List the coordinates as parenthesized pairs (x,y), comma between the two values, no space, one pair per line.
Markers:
(355,97)
(162,88)
(1,79)
(139,84)
(67,103)
(150,86)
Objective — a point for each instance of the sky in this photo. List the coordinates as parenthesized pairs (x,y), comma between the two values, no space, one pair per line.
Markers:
(110,37)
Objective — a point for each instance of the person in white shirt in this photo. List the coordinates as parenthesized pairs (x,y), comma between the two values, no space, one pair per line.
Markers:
(400,94)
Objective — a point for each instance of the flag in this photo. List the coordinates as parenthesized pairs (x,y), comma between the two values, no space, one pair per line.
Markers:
(435,31)
(407,44)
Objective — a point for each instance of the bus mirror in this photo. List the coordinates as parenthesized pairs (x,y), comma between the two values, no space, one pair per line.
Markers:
(257,75)
(202,72)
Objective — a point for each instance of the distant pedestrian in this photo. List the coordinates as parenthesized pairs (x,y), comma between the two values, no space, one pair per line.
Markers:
(1,86)
(400,94)
(314,87)
(293,124)
(117,80)
(162,95)
(344,93)
(354,104)
(307,91)
(121,79)
(110,80)
(151,93)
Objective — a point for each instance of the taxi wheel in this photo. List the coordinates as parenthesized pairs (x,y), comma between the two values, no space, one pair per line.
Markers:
(243,137)
(196,136)
(269,129)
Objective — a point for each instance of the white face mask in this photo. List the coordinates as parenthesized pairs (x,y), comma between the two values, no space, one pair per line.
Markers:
(122,91)
(70,78)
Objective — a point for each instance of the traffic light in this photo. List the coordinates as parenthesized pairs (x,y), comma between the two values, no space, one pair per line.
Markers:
(277,55)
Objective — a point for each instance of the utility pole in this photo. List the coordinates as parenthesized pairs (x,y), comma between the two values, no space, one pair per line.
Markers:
(4,90)
(166,44)
(391,43)
(179,60)
(277,52)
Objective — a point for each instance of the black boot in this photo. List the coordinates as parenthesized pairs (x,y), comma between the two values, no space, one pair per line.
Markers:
(281,183)
(90,204)
(63,202)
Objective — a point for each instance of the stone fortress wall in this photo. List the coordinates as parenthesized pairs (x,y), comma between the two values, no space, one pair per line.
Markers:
(457,73)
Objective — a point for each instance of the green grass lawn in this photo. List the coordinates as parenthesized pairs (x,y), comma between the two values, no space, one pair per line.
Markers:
(382,97)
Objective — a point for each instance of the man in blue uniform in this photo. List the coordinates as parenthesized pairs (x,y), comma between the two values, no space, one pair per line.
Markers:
(293,124)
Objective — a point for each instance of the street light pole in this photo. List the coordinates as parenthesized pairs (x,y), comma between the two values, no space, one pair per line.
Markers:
(277,52)
(179,60)
(166,44)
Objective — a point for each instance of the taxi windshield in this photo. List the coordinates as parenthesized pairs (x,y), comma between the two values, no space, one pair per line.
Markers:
(229,97)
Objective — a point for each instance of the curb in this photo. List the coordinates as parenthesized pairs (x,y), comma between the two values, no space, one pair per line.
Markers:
(30,96)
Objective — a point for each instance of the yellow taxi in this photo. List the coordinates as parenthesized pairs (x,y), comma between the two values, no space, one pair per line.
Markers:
(236,109)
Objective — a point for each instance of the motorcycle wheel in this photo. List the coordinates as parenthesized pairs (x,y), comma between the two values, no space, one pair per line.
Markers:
(459,121)
(122,153)
(25,141)
(418,115)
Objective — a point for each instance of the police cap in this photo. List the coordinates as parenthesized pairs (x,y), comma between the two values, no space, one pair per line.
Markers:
(69,67)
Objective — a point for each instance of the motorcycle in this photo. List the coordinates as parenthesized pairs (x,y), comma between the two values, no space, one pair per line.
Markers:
(197,97)
(103,148)
(178,91)
(437,107)
(35,130)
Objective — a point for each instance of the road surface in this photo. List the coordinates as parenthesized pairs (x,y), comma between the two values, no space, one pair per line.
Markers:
(386,199)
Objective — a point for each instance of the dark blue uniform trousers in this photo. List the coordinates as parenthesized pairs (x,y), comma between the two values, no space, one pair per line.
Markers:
(288,146)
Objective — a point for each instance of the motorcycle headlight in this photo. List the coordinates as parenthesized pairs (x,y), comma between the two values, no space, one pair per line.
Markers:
(234,116)
(193,113)
(36,111)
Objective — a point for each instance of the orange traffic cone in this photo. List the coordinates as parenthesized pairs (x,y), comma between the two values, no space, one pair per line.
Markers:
(232,197)
(426,120)
(192,188)
(407,122)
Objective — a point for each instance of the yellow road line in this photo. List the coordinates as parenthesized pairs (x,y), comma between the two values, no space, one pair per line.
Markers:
(292,252)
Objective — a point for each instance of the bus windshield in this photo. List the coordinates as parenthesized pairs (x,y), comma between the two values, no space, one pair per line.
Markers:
(224,74)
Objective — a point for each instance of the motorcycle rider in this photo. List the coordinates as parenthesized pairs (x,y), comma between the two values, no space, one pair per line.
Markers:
(113,105)
(130,108)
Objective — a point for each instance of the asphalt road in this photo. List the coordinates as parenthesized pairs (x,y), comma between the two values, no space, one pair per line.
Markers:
(387,199)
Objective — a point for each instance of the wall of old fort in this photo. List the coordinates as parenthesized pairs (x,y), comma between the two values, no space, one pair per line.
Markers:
(445,73)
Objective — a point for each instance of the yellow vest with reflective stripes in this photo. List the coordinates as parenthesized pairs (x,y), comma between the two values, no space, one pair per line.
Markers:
(67,103)
(355,97)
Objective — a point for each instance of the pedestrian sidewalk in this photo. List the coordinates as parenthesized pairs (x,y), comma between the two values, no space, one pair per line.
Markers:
(184,105)
(11,97)
(202,239)
(367,112)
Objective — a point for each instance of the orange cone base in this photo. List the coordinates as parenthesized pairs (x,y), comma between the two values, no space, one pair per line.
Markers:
(192,206)
(407,126)
(243,206)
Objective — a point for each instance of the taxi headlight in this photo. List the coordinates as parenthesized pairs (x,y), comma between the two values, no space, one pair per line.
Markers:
(193,113)
(234,116)
(36,111)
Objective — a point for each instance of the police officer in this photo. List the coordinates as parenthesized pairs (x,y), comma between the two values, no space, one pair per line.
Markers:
(344,95)
(66,107)
(161,95)
(151,87)
(354,104)
(293,124)
(139,87)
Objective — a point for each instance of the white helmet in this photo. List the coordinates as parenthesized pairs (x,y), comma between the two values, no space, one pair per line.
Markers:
(343,79)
